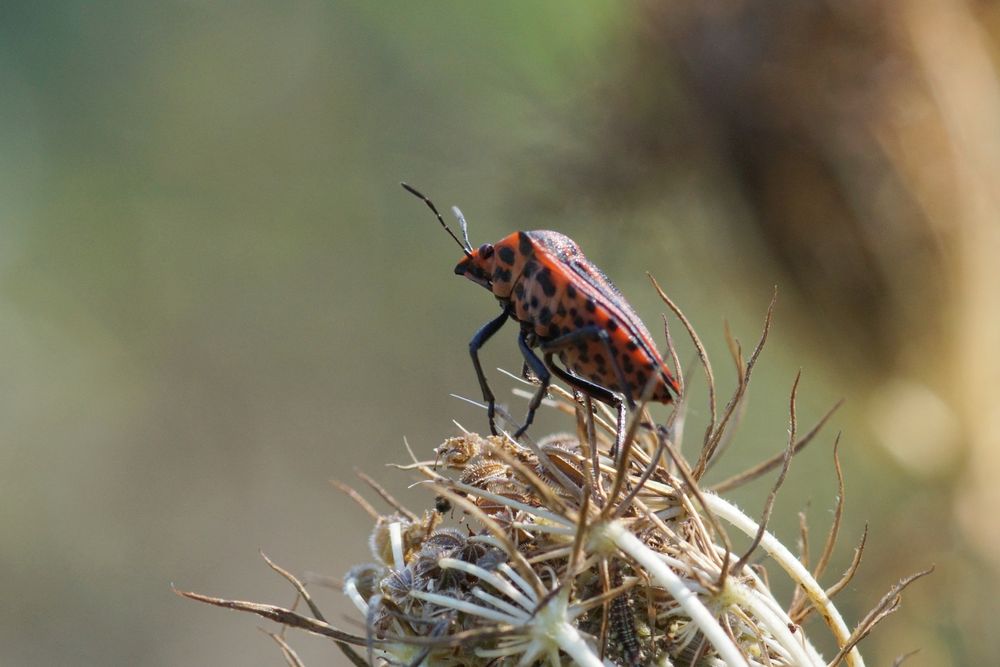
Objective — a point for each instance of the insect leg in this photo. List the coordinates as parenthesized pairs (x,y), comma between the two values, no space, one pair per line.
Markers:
(477,342)
(603,394)
(532,341)
(593,332)
(598,392)
(541,372)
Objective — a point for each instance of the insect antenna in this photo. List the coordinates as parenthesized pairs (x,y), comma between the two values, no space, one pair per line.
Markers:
(457,212)
(466,247)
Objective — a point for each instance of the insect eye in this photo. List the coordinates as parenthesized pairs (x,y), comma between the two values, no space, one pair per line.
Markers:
(486,250)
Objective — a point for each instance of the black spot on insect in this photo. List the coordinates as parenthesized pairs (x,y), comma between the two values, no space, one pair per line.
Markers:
(506,255)
(650,365)
(572,312)
(476,272)
(599,359)
(524,243)
(612,325)
(519,291)
(545,316)
(529,269)
(632,346)
(640,380)
(571,291)
(501,275)
(578,322)
(595,378)
(534,302)
(591,305)
(553,330)
(560,310)
(545,280)
(627,364)
(582,345)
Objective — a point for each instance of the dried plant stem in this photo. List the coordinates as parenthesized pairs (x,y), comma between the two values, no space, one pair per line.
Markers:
(788,562)
(570,641)
(553,551)
(617,532)
(773,462)
(776,622)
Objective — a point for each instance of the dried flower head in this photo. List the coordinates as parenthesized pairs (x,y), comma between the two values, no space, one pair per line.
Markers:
(555,551)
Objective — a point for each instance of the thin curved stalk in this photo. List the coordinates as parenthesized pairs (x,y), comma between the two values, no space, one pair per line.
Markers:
(788,562)
(685,597)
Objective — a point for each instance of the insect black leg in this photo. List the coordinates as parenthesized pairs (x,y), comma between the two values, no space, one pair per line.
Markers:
(477,342)
(619,432)
(531,341)
(598,392)
(603,394)
(600,335)
(541,372)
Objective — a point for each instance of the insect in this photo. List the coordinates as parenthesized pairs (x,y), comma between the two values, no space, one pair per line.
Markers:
(442,505)
(567,308)
(622,626)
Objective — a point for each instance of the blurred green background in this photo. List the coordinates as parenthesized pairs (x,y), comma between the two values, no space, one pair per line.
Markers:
(214,296)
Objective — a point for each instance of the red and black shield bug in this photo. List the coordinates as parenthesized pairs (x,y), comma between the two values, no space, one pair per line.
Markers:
(567,308)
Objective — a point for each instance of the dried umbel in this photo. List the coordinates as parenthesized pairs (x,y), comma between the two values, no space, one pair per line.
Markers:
(553,552)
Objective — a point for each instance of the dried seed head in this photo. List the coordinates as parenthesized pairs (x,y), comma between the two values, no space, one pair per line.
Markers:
(566,462)
(380,540)
(365,578)
(506,491)
(443,541)
(566,441)
(413,534)
(492,559)
(399,584)
(455,452)
(472,551)
(533,567)
(482,473)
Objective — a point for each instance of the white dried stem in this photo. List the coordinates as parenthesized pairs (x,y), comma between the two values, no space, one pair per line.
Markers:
(788,562)
(650,561)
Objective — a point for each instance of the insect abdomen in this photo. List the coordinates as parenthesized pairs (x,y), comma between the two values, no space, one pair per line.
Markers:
(555,300)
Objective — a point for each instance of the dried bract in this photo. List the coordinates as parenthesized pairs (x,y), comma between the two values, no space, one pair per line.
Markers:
(558,552)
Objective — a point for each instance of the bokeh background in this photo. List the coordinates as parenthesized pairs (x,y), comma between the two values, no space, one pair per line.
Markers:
(214,296)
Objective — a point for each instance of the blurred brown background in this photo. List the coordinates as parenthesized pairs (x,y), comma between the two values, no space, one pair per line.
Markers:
(214,296)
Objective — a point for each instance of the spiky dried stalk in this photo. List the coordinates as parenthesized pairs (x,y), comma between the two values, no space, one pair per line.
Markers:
(539,552)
